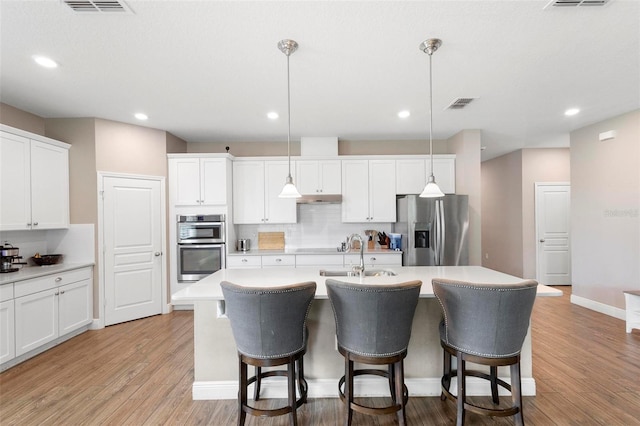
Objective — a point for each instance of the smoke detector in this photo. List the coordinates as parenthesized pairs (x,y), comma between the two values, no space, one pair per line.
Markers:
(98,6)
(460,103)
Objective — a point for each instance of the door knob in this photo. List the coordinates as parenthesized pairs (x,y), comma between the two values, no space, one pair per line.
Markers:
(542,240)
(157,253)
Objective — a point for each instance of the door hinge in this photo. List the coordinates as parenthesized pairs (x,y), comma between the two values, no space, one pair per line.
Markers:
(102,194)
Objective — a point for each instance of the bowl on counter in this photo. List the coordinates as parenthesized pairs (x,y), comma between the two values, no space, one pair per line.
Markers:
(47,259)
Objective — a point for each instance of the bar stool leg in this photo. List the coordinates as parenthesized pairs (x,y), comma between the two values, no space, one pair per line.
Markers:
(493,374)
(446,376)
(516,392)
(462,391)
(291,378)
(257,383)
(242,393)
(398,369)
(348,389)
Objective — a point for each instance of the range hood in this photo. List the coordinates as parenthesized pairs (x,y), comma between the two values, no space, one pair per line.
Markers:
(320,199)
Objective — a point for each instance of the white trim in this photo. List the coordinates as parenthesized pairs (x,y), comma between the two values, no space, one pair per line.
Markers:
(612,311)
(166,308)
(328,388)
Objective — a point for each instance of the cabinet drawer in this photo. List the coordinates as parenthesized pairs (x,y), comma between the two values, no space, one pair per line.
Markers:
(244,262)
(373,259)
(319,260)
(6,292)
(22,288)
(278,260)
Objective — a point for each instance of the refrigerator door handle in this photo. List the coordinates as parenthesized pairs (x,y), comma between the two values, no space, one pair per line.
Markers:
(437,231)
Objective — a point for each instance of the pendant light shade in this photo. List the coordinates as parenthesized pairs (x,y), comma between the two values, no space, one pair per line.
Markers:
(431,189)
(289,191)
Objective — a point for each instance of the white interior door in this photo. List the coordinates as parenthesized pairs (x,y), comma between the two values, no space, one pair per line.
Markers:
(132,236)
(552,233)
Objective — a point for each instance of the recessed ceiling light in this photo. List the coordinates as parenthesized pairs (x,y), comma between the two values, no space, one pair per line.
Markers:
(43,61)
(571,111)
(141,116)
(404,114)
(272,115)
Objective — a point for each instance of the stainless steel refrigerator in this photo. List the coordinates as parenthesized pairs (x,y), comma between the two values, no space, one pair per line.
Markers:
(434,230)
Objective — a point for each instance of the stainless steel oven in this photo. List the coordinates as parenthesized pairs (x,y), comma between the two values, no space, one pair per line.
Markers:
(201,246)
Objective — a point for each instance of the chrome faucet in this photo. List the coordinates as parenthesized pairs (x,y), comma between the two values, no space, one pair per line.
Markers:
(358,269)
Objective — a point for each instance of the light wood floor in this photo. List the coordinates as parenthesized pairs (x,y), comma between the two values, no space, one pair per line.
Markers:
(587,371)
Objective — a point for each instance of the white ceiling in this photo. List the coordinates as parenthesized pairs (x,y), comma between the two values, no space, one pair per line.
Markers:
(210,70)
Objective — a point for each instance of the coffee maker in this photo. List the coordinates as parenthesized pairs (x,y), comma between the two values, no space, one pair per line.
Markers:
(10,258)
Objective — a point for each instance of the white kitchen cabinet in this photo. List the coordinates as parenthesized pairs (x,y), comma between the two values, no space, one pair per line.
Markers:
(51,306)
(412,174)
(379,260)
(34,182)
(279,260)
(319,260)
(368,191)
(244,262)
(318,177)
(7,330)
(256,186)
(198,181)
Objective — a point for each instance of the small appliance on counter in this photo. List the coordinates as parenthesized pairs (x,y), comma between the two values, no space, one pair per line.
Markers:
(46,259)
(243,244)
(10,259)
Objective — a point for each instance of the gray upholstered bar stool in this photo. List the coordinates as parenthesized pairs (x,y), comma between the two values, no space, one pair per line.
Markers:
(484,324)
(269,327)
(373,326)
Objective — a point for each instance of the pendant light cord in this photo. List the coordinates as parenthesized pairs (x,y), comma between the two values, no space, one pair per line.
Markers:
(430,115)
(289,117)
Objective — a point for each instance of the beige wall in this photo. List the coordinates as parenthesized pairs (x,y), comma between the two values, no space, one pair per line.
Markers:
(538,165)
(466,146)
(502,214)
(345,147)
(605,203)
(175,145)
(508,201)
(20,119)
(125,148)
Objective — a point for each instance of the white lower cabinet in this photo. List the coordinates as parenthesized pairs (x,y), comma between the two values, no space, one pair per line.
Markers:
(7,331)
(50,307)
(323,260)
(374,259)
(242,262)
(274,261)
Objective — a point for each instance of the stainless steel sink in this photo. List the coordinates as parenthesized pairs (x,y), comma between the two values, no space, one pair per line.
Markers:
(349,273)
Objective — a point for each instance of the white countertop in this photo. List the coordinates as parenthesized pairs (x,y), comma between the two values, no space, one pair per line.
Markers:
(311,251)
(208,288)
(28,272)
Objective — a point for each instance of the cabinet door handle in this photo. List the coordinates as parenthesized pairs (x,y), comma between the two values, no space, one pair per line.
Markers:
(244,260)
(35,223)
(61,291)
(58,279)
(28,224)
(278,260)
(56,293)
(373,259)
(157,253)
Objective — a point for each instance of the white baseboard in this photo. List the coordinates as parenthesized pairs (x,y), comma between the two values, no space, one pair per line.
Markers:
(182,307)
(612,311)
(328,388)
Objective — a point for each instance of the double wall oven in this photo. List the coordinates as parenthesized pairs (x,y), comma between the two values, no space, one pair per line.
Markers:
(201,246)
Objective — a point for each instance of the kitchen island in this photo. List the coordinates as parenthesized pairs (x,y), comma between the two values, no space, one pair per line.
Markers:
(215,356)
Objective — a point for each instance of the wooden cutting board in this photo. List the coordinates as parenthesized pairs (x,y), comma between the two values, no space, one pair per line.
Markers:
(271,240)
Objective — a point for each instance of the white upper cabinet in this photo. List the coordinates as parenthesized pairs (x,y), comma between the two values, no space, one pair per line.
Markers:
(412,174)
(256,186)
(318,177)
(34,182)
(368,191)
(198,181)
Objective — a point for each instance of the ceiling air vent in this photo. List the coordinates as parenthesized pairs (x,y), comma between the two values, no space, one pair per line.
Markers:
(98,6)
(460,103)
(574,3)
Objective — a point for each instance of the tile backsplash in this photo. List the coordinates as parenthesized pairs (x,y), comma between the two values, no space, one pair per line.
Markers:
(319,226)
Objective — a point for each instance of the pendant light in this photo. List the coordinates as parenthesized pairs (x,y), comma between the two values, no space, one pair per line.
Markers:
(289,191)
(431,189)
